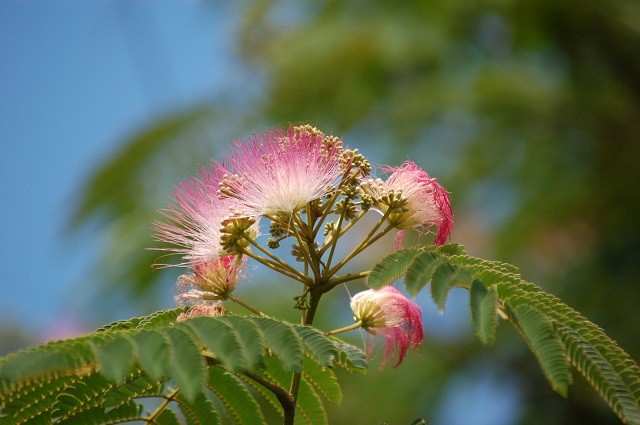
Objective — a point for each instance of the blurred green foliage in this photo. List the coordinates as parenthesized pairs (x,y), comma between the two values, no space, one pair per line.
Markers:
(527,111)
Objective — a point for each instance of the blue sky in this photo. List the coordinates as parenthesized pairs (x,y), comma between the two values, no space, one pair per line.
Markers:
(76,78)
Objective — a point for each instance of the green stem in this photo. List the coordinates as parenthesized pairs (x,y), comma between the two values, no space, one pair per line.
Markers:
(335,238)
(345,329)
(366,242)
(273,257)
(347,278)
(295,379)
(285,399)
(245,305)
(275,266)
(305,246)
(168,399)
(344,230)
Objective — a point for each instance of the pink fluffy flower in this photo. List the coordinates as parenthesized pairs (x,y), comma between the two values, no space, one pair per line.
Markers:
(388,313)
(195,217)
(280,171)
(217,277)
(427,202)
(215,308)
(208,285)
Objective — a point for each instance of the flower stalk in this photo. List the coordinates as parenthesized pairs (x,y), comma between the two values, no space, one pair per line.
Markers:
(356,325)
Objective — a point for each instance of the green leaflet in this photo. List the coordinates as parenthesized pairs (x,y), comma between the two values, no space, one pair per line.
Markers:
(351,358)
(445,278)
(420,271)
(310,408)
(595,367)
(79,397)
(153,351)
(243,408)
(220,339)
(187,364)
(251,339)
(159,319)
(44,363)
(129,412)
(115,358)
(121,325)
(199,412)
(167,417)
(137,385)
(318,345)
(284,341)
(392,267)
(323,380)
(483,304)
(452,249)
(539,334)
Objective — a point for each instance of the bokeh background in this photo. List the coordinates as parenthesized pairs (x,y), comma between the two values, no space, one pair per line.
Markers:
(528,111)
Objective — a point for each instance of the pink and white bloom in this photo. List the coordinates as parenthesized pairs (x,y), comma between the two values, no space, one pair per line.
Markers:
(212,309)
(208,286)
(280,171)
(195,217)
(388,313)
(219,276)
(427,201)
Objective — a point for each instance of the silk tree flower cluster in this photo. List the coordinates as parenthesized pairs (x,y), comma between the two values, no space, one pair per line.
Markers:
(308,187)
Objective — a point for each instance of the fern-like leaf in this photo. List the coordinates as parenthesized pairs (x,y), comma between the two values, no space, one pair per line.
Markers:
(446,277)
(99,378)
(199,412)
(483,304)
(539,333)
(243,408)
(284,341)
(391,268)
(421,270)
(552,329)
(323,380)
(187,365)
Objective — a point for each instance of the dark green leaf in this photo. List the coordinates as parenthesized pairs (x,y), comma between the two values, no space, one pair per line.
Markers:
(199,412)
(115,358)
(392,267)
(445,277)
(539,334)
(167,417)
(154,353)
(220,339)
(420,271)
(238,400)
(324,381)
(284,341)
(187,364)
(484,303)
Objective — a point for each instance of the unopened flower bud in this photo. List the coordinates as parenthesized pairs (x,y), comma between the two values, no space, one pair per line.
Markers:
(273,243)
(328,228)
